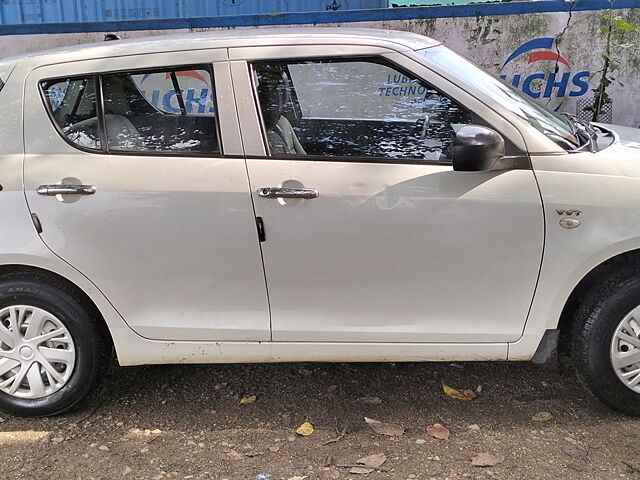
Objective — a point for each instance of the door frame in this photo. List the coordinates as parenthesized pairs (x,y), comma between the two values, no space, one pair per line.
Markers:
(250,119)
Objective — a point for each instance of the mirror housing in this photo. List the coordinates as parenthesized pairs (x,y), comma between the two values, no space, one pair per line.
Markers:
(477,148)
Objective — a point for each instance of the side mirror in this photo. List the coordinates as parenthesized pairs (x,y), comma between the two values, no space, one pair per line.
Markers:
(477,148)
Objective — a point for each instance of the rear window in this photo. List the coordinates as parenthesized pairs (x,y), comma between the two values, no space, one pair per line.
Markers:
(163,110)
(72,103)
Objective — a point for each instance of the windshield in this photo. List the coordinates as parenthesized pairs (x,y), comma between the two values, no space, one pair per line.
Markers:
(556,127)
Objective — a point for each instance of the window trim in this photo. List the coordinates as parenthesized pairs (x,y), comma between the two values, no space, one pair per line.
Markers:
(102,124)
(54,122)
(520,160)
(105,150)
(178,92)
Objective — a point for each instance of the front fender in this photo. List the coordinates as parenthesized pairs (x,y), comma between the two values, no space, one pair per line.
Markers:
(607,205)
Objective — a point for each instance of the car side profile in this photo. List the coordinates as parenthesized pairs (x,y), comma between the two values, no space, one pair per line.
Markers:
(303,194)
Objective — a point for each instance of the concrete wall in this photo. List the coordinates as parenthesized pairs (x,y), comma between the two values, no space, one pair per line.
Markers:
(490,41)
(550,36)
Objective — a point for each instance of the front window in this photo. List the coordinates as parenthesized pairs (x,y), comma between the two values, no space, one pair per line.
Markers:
(554,126)
(361,108)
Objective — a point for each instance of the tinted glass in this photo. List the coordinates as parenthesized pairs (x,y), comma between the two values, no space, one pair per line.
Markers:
(167,110)
(544,120)
(354,109)
(72,103)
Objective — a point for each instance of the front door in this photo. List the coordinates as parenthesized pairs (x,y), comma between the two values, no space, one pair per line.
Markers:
(370,234)
(127,174)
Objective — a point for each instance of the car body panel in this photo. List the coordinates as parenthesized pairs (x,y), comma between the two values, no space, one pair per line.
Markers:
(602,185)
(399,252)
(154,352)
(170,240)
(599,187)
(393,251)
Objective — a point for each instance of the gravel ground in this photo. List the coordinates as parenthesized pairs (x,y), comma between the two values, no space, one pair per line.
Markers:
(187,422)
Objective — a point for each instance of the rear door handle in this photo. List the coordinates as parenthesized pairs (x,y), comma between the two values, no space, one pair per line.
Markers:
(52,190)
(282,192)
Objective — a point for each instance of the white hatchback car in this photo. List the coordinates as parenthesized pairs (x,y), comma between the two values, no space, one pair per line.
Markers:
(304,195)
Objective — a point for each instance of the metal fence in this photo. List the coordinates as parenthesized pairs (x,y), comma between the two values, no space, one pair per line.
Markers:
(17,12)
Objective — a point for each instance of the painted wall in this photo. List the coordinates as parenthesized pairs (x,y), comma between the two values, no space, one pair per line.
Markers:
(550,50)
(525,51)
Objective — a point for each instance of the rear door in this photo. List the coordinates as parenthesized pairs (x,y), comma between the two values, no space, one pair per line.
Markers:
(126,169)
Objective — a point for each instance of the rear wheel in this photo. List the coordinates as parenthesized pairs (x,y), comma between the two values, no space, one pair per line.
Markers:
(53,346)
(606,341)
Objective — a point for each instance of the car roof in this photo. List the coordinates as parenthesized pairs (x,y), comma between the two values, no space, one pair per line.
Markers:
(248,37)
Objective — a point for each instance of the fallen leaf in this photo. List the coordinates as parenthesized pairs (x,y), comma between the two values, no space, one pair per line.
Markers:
(370,400)
(542,417)
(373,461)
(247,400)
(387,429)
(274,449)
(458,394)
(438,431)
(305,429)
(474,427)
(486,460)
(575,451)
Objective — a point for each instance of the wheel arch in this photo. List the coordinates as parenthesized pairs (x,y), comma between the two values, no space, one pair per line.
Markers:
(8,269)
(594,277)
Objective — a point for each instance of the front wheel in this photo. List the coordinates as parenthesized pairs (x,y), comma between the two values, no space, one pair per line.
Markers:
(53,347)
(606,341)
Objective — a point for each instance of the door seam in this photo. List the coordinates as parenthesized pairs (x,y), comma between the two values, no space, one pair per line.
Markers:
(253,206)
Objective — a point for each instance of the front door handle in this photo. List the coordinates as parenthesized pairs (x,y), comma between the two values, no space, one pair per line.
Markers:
(283,192)
(52,190)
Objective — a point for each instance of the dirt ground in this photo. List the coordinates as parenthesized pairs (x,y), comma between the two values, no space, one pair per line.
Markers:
(187,422)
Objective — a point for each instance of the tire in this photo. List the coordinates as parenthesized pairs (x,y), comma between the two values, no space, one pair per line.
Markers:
(595,323)
(81,353)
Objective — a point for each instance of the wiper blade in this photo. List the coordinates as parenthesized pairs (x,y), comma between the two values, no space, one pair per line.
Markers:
(578,125)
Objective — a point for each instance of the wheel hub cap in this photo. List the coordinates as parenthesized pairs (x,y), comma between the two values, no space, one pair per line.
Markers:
(26,352)
(625,350)
(37,354)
